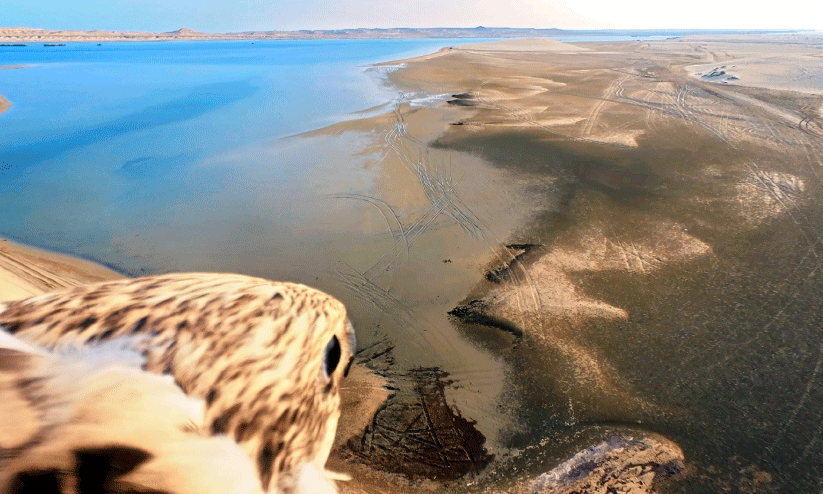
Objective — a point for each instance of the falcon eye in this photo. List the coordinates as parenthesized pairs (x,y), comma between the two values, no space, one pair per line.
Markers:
(332,356)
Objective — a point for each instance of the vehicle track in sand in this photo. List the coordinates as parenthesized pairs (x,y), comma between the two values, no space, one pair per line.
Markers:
(607,97)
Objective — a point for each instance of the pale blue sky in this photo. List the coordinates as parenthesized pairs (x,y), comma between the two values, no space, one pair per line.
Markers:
(242,15)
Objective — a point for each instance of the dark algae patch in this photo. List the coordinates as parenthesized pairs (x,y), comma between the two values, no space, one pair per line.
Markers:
(462,99)
(504,272)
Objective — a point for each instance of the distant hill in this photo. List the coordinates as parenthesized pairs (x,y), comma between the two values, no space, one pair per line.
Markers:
(184,31)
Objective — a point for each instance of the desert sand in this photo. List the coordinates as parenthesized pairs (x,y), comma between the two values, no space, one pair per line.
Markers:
(524,45)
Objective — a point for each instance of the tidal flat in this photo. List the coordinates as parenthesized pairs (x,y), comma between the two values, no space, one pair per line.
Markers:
(645,238)
(543,246)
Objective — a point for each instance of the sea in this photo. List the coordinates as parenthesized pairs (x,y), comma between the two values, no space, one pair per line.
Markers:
(104,140)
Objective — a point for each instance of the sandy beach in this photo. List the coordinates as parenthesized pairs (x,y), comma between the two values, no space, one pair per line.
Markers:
(644,266)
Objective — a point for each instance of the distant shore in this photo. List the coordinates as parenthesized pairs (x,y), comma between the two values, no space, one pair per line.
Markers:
(18,35)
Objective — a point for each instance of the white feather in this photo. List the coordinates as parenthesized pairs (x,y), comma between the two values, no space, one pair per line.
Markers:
(98,396)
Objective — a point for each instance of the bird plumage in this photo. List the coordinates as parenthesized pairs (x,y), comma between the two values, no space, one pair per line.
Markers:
(91,420)
(266,358)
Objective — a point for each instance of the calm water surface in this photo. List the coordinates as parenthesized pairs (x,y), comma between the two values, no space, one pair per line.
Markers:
(108,142)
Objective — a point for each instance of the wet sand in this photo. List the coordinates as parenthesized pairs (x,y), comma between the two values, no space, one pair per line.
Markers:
(655,267)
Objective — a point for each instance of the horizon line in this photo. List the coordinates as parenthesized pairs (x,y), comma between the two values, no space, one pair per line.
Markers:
(438,28)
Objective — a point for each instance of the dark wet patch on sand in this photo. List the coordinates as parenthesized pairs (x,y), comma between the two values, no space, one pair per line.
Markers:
(475,312)
(421,436)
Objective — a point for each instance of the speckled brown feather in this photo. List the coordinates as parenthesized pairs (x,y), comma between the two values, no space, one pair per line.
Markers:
(253,349)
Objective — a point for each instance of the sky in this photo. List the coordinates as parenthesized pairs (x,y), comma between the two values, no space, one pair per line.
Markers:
(264,15)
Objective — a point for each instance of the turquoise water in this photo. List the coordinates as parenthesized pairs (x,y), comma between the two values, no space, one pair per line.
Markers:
(122,139)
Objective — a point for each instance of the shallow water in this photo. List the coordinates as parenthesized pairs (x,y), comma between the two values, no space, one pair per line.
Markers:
(108,142)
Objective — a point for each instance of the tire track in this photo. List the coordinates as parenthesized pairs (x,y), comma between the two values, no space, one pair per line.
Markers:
(607,96)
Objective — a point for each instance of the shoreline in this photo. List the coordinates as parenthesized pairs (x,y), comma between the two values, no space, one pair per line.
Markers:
(633,220)
(27,270)
(416,131)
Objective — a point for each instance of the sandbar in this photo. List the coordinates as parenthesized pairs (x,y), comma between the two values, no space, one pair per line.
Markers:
(4,104)
(27,271)
(524,45)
